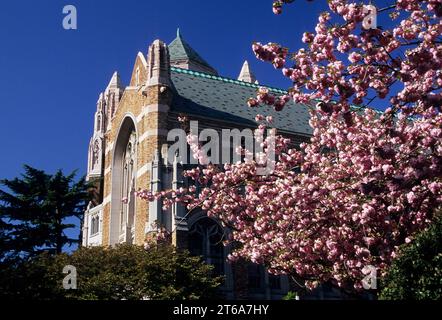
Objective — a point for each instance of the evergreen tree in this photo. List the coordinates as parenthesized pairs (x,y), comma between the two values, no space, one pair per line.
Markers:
(34,209)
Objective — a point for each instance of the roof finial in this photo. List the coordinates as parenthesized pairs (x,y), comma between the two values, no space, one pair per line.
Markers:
(246,74)
(115,81)
(183,56)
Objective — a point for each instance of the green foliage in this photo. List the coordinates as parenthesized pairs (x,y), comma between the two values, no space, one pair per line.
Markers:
(122,272)
(417,273)
(291,296)
(33,212)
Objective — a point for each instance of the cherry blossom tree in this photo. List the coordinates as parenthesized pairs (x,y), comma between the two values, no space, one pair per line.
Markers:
(367,181)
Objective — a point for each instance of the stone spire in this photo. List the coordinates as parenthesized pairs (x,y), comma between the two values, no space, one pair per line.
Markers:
(112,96)
(115,82)
(246,74)
(158,64)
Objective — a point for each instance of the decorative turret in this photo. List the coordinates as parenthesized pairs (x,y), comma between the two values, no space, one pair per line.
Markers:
(96,147)
(183,56)
(246,74)
(112,95)
(158,65)
(115,82)
(107,105)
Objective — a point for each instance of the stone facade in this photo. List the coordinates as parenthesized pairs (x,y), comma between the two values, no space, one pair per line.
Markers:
(127,153)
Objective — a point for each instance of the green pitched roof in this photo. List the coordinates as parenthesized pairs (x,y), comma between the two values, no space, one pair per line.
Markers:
(181,50)
(222,98)
(225,99)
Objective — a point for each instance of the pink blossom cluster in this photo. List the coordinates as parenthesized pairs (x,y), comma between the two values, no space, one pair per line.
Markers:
(324,215)
(160,236)
(366,182)
(266,97)
(277,5)
(182,119)
(409,55)
(271,52)
(145,194)
(196,151)
(261,118)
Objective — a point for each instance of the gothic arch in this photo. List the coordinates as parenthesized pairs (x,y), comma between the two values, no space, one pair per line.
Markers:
(124,168)
(206,238)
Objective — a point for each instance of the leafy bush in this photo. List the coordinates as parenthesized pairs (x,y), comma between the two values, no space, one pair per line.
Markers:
(122,272)
(417,273)
(291,296)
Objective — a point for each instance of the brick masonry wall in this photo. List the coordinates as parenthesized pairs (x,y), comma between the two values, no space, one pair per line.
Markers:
(131,103)
(149,107)
(143,72)
(135,102)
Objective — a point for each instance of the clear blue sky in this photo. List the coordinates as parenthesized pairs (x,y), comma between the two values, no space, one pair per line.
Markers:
(51,77)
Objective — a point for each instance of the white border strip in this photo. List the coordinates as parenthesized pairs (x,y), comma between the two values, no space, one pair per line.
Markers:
(153,132)
(142,170)
(152,108)
(142,58)
(109,148)
(107,200)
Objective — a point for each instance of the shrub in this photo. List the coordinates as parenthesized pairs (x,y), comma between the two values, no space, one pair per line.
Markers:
(122,272)
(417,273)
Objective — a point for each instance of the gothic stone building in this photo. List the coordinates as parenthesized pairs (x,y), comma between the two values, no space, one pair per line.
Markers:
(127,153)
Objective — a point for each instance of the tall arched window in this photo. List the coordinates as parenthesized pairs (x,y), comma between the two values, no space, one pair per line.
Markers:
(96,150)
(112,103)
(128,184)
(123,173)
(92,227)
(95,225)
(205,239)
(137,76)
(98,123)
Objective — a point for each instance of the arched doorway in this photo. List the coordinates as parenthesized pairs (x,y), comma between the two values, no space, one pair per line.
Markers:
(123,198)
